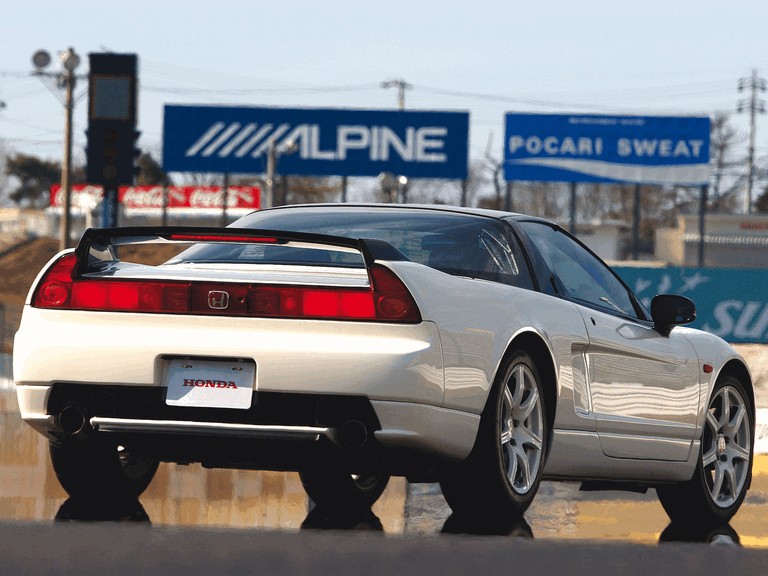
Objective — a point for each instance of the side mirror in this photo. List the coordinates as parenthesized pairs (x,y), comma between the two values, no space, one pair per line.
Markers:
(670,310)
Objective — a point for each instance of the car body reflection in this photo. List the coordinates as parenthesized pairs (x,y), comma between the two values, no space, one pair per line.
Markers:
(720,534)
(513,526)
(364,518)
(342,518)
(102,510)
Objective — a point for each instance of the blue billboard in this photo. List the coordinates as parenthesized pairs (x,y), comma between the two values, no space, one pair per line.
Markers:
(731,303)
(329,142)
(596,148)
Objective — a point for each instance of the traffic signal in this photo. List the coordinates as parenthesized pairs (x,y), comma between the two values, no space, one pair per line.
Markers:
(111,154)
(112,134)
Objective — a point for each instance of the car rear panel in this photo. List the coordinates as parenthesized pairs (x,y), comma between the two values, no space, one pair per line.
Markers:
(290,355)
(388,377)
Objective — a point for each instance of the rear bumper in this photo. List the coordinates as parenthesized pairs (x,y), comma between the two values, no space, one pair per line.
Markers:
(281,431)
(389,362)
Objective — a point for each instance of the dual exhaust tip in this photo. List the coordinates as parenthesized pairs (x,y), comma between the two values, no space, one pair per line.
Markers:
(72,420)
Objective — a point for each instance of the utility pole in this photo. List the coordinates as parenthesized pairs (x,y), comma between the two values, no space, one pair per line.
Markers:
(65,79)
(754,106)
(401,86)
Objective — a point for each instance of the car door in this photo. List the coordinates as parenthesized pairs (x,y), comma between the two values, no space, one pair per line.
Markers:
(643,387)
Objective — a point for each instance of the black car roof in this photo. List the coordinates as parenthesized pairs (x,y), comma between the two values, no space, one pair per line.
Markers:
(497,214)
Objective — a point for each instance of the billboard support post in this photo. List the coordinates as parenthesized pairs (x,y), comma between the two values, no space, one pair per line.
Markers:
(572,225)
(636,224)
(109,208)
(508,203)
(164,215)
(702,221)
(224,200)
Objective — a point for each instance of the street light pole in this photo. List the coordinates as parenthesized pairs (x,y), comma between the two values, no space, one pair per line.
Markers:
(273,153)
(270,180)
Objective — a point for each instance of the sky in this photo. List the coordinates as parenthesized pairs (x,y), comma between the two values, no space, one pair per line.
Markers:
(487,57)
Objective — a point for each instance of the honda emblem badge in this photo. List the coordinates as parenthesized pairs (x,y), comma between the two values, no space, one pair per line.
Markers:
(218,299)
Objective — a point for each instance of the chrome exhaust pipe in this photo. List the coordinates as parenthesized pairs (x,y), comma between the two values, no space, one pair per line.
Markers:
(72,420)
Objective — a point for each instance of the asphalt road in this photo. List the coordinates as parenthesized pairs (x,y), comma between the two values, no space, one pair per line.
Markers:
(84,549)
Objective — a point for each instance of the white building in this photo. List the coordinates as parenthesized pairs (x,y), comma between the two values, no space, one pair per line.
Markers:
(730,241)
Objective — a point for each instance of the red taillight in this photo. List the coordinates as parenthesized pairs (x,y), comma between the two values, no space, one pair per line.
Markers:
(311,302)
(129,296)
(388,300)
(58,289)
(393,300)
(55,288)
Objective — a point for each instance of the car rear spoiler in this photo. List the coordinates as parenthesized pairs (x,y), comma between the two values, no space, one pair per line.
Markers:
(96,244)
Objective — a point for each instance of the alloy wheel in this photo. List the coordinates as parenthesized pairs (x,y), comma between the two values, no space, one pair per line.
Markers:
(522,429)
(726,446)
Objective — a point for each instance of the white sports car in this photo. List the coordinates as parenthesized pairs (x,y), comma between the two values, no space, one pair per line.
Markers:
(484,350)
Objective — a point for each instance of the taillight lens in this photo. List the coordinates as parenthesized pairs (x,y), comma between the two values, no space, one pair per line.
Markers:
(388,300)
(392,299)
(55,288)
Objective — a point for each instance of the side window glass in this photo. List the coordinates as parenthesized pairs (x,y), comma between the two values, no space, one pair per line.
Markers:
(580,274)
(489,252)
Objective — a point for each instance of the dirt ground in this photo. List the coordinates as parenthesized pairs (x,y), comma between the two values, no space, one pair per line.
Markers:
(18,269)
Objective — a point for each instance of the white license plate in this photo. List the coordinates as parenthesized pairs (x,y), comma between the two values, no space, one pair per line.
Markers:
(210,383)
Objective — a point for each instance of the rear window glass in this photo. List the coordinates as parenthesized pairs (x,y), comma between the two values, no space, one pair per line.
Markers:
(458,244)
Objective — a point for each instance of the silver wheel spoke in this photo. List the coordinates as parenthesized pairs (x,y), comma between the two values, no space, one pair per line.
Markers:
(738,452)
(527,437)
(508,402)
(730,476)
(717,486)
(713,423)
(526,470)
(530,404)
(512,466)
(737,419)
(726,416)
(709,457)
(519,386)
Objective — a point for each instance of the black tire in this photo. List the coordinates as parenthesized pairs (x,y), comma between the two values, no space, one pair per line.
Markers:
(91,469)
(724,469)
(502,474)
(332,488)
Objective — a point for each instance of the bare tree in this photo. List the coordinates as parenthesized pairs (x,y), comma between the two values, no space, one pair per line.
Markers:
(723,138)
(495,167)
(3,176)
(308,190)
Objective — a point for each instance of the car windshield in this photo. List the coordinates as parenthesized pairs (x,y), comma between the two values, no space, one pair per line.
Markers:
(459,244)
